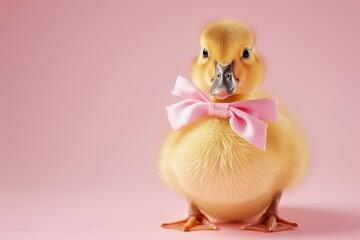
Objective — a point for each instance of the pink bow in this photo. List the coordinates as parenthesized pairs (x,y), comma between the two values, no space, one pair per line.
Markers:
(245,117)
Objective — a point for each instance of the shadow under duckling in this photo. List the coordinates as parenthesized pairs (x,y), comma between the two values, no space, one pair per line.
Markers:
(219,172)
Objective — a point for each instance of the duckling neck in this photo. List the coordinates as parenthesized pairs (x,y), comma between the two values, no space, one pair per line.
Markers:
(233,98)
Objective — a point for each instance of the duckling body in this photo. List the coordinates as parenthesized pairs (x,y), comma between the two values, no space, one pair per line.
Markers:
(220,173)
(224,175)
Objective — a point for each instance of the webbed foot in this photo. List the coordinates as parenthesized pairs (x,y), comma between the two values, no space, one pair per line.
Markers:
(192,223)
(270,223)
(270,220)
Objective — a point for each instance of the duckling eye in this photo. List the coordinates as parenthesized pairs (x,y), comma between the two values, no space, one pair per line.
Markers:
(246,53)
(205,53)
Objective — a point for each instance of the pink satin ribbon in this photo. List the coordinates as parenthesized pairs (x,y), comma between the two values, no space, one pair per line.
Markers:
(246,118)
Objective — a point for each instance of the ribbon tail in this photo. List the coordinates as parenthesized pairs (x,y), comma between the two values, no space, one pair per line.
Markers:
(250,128)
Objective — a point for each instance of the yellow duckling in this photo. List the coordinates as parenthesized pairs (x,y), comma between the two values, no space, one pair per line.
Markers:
(219,172)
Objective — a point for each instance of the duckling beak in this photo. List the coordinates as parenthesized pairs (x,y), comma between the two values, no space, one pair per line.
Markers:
(224,82)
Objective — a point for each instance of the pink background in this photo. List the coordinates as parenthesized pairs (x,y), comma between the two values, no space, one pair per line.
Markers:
(83,86)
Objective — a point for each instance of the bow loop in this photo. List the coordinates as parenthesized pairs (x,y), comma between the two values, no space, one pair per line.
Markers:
(185,89)
(265,109)
(186,112)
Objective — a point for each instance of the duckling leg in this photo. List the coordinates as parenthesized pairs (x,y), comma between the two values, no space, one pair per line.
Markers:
(270,220)
(195,221)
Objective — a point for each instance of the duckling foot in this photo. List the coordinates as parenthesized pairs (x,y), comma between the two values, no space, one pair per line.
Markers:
(192,223)
(270,223)
(195,221)
(270,220)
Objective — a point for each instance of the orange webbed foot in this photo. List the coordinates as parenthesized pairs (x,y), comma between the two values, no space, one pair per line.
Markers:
(270,222)
(192,223)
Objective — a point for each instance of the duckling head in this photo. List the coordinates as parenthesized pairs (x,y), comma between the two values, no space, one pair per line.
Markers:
(228,67)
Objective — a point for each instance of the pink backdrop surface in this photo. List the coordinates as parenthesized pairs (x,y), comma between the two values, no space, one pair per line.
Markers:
(83,86)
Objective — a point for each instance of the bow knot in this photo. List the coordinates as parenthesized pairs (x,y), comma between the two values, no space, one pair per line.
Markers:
(219,110)
(246,118)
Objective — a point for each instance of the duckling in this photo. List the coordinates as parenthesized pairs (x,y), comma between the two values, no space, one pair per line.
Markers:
(221,174)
